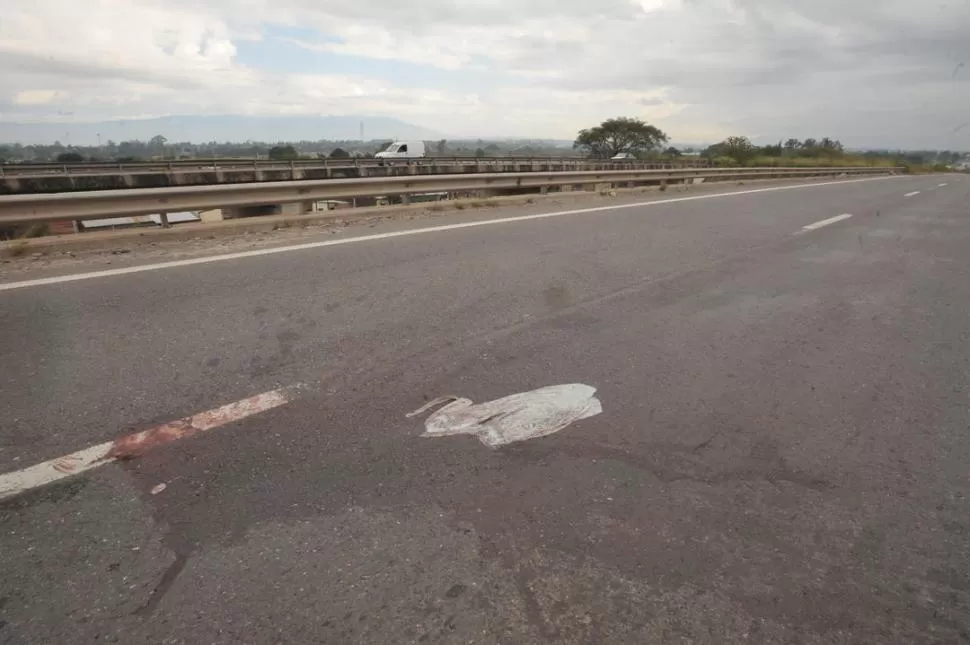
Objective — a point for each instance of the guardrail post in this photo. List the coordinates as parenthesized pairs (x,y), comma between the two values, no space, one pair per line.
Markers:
(164,218)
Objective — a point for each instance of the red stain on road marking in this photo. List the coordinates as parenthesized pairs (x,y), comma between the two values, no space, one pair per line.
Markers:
(137,444)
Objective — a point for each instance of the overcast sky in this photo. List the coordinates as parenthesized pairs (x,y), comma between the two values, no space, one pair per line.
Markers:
(869,72)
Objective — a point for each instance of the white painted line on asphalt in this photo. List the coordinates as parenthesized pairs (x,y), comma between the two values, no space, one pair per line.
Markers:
(915,192)
(136,444)
(419,231)
(826,222)
(942,185)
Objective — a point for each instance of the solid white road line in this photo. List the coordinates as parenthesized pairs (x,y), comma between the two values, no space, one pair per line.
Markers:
(420,231)
(826,222)
(942,185)
(134,445)
(915,192)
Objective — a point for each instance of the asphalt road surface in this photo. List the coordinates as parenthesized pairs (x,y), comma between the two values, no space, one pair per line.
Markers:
(782,454)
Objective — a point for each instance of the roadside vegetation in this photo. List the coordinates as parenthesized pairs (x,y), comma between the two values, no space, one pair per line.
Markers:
(158,148)
(620,135)
(24,231)
(820,153)
(643,141)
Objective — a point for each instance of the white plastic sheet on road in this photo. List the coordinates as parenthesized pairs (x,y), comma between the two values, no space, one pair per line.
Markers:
(517,417)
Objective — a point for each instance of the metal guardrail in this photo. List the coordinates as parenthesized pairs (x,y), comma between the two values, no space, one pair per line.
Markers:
(142,201)
(41,170)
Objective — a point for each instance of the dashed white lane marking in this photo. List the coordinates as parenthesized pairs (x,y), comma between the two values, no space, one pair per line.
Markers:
(915,192)
(942,185)
(419,231)
(134,445)
(826,222)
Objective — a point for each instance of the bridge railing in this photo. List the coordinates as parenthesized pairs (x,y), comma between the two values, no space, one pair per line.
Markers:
(141,201)
(30,169)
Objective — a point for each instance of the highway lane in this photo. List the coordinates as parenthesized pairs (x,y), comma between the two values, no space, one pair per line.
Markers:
(780,456)
(220,332)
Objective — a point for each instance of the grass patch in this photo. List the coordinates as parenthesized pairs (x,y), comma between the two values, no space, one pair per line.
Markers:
(924,169)
(40,229)
(17,249)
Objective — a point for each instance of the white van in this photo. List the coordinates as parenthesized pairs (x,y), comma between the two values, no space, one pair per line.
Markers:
(403,150)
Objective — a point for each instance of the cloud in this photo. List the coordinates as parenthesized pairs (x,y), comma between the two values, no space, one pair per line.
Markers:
(36,97)
(871,73)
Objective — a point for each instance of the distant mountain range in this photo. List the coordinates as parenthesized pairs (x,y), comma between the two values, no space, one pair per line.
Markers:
(201,129)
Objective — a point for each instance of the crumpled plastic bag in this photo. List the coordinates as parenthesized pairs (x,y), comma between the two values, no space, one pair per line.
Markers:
(517,417)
